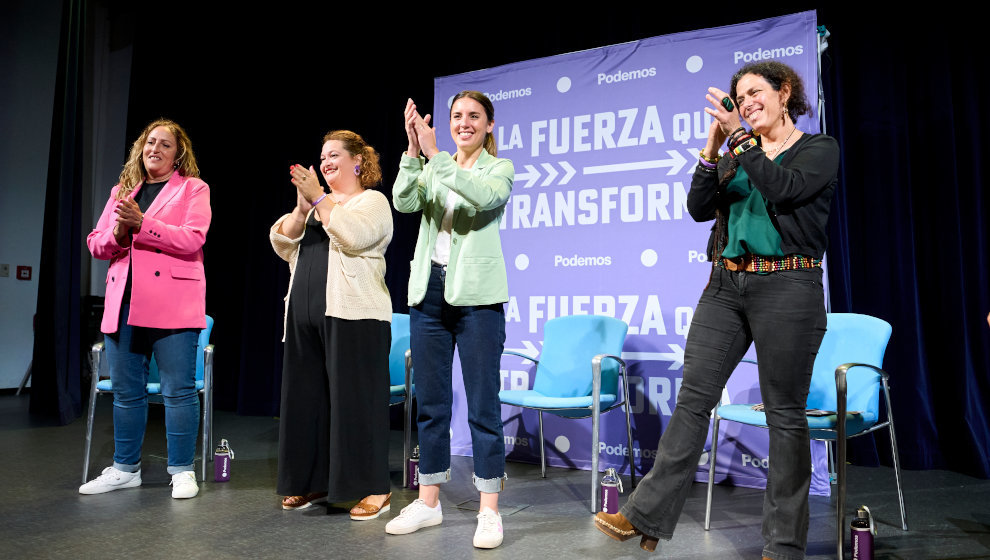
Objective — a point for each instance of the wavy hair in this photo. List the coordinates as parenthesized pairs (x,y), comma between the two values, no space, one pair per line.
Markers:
(134,171)
(371,172)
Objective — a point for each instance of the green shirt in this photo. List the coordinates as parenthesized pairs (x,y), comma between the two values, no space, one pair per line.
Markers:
(750,227)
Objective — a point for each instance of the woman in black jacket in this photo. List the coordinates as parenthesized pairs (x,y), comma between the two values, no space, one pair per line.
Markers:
(769,195)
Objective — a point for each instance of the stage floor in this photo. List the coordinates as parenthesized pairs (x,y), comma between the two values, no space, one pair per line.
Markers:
(42,515)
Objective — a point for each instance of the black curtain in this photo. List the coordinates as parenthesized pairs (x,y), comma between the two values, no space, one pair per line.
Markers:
(909,228)
(55,374)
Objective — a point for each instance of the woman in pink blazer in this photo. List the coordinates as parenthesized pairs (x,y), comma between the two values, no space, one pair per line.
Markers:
(152,230)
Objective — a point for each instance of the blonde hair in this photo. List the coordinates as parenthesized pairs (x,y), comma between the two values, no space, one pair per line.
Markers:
(371,172)
(490,145)
(134,171)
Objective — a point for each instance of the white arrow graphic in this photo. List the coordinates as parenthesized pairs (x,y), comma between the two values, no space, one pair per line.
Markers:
(675,356)
(530,176)
(551,174)
(529,350)
(568,172)
(675,163)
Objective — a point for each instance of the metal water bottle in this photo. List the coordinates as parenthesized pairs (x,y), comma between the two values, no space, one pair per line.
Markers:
(221,462)
(861,532)
(611,487)
(414,469)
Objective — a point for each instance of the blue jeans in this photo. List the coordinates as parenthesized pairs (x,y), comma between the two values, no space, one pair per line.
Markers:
(129,353)
(783,314)
(479,334)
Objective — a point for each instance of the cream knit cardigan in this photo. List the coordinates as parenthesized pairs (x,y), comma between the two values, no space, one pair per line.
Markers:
(360,231)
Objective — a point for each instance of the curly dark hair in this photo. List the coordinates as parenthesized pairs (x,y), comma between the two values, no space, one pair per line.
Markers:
(777,74)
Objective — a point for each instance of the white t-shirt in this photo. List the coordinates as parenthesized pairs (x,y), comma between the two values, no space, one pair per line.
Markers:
(441,251)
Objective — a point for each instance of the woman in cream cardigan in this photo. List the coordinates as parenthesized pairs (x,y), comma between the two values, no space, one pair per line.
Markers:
(333,430)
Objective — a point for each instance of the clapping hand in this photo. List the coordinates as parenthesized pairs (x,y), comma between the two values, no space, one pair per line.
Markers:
(307,185)
(129,215)
(422,137)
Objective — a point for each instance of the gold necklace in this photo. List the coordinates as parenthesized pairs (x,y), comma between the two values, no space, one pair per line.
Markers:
(781,145)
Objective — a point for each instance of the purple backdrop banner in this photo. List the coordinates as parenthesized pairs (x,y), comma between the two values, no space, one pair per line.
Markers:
(604,142)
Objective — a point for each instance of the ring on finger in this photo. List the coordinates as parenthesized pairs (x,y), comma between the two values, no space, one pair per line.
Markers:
(727,103)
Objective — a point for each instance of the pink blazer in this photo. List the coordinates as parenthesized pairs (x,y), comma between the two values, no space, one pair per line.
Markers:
(168,290)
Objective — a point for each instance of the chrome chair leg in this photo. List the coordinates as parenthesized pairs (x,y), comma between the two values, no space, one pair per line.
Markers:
(595,425)
(632,462)
(95,358)
(407,421)
(897,460)
(711,472)
(543,454)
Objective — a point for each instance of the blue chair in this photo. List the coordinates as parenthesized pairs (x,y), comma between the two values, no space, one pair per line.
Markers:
(855,344)
(204,384)
(577,377)
(402,390)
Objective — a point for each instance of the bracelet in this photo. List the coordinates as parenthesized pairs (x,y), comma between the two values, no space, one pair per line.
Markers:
(319,200)
(709,160)
(739,139)
(705,168)
(744,147)
(737,135)
(706,164)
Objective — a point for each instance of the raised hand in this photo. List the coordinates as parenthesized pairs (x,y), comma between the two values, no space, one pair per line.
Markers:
(727,119)
(425,135)
(716,137)
(306,183)
(410,125)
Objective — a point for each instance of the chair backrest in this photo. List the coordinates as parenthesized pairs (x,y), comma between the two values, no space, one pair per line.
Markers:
(850,338)
(201,344)
(397,353)
(569,344)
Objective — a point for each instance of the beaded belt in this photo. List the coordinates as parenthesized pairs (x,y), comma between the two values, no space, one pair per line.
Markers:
(756,263)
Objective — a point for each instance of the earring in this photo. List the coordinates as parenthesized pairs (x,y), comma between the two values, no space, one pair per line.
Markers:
(357,169)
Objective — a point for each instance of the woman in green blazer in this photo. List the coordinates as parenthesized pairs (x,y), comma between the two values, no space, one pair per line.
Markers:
(457,288)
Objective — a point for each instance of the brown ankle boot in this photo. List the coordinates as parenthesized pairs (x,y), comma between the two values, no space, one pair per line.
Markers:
(619,528)
(616,526)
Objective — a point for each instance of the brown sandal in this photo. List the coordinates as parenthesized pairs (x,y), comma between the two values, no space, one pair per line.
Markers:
(619,528)
(302,502)
(371,511)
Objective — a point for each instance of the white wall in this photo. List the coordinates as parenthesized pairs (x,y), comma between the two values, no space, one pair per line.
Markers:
(29,38)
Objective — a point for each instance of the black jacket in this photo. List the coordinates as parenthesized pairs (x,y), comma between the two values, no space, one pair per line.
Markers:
(798,192)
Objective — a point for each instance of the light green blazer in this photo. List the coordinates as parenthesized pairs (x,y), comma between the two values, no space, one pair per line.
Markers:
(476,271)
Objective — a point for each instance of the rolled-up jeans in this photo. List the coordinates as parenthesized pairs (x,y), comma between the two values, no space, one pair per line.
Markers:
(783,314)
(478,332)
(129,352)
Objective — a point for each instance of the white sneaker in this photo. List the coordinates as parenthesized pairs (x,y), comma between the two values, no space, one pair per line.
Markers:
(111,479)
(184,485)
(489,532)
(414,517)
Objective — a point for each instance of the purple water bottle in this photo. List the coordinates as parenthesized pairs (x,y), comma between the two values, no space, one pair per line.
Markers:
(861,532)
(414,469)
(221,462)
(611,486)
